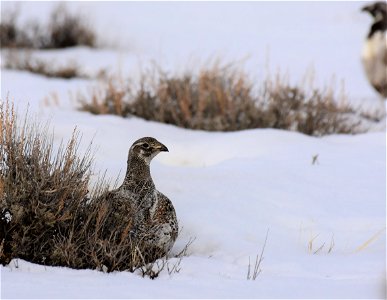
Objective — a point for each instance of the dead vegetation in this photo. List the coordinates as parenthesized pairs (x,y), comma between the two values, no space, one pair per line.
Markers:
(26,62)
(47,214)
(113,97)
(171,264)
(317,247)
(253,273)
(222,98)
(64,29)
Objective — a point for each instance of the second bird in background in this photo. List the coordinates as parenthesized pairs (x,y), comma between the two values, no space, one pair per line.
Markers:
(374,56)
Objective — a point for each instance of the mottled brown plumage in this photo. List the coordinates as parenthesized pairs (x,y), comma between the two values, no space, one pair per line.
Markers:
(151,215)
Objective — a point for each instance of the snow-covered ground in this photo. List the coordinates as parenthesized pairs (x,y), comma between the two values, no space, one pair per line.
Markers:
(229,188)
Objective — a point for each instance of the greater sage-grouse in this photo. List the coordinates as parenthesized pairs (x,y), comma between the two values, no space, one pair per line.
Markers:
(151,215)
(374,54)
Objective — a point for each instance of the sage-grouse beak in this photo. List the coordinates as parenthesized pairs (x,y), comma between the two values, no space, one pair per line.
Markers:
(366,8)
(162,147)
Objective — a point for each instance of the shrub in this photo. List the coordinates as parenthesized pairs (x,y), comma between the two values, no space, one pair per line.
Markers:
(26,62)
(68,30)
(63,30)
(112,98)
(47,214)
(313,112)
(218,99)
(41,192)
(223,99)
(8,30)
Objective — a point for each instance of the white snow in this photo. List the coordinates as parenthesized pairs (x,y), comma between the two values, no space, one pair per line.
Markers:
(228,188)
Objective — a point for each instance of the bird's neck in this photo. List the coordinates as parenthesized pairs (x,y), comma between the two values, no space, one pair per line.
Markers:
(138,177)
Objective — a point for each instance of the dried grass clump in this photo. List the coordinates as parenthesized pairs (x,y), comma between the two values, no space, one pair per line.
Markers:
(218,99)
(112,97)
(63,30)
(310,111)
(26,62)
(223,99)
(47,214)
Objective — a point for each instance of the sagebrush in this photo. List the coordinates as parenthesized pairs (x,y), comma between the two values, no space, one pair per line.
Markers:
(26,62)
(223,98)
(48,215)
(64,29)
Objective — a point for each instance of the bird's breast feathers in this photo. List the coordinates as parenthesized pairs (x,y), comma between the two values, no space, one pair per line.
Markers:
(376,47)
(374,59)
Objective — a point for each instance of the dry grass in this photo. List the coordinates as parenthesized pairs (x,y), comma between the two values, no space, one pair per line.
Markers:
(369,241)
(47,214)
(112,97)
(317,249)
(64,29)
(26,62)
(153,269)
(252,274)
(222,98)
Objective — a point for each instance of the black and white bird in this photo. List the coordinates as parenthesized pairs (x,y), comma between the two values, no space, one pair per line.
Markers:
(374,56)
(153,217)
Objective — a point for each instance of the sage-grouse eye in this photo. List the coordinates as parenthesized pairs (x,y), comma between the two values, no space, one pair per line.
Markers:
(374,56)
(150,213)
